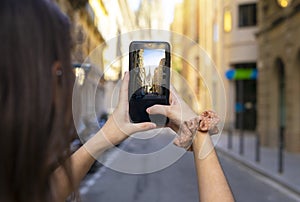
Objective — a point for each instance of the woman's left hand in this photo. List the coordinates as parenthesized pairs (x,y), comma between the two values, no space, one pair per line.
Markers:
(118,127)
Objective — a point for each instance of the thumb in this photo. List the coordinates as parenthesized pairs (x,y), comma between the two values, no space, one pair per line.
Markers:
(123,97)
(143,126)
(158,109)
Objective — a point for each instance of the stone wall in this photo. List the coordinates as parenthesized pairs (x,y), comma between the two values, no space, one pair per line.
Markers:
(279,44)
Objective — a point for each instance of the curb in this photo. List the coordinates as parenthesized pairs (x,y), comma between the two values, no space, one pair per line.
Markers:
(263,171)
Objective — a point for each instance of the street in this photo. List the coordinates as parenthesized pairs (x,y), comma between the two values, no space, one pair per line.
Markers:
(176,183)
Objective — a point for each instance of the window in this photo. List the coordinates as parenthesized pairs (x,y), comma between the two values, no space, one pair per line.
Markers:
(247,15)
(227,20)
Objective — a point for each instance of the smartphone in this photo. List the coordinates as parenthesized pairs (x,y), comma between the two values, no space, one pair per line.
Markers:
(149,67)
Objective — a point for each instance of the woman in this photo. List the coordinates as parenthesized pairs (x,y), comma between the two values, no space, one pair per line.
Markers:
(36,124)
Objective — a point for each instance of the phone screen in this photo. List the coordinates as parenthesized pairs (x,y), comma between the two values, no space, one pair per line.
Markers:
(149,80)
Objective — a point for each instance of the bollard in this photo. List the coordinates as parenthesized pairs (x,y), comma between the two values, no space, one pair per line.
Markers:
(229,138)
(241,151)
(257,147)
(241,117)
(280,150)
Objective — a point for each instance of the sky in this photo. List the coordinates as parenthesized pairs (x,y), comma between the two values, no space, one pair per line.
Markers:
(169,6)
(152,58)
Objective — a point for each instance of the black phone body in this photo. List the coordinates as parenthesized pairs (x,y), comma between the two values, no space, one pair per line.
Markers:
(149,66)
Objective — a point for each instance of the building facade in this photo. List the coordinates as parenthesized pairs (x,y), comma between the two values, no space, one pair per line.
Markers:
(225,30)
(188,22)
(239,55)
(279,73)
(85,37)
(85,34)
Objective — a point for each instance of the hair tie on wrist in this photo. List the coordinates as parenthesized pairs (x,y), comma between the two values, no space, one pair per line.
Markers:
(206,122)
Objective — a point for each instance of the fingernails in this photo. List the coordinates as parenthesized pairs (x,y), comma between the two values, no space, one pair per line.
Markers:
(153,125)
(148,110)
(126,75)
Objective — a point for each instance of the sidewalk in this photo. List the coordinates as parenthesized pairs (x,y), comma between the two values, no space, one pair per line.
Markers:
(268,165)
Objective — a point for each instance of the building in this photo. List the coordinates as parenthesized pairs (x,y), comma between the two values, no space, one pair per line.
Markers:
(200,21)
(85,34)
(160,77)
(225,30)
(186,23)
(279,73)
(211,67)
(240,57)
(86,37)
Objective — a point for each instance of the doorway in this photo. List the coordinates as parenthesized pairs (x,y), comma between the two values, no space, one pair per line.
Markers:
(245,101)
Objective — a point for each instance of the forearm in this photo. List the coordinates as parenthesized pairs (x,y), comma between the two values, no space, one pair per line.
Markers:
(81,161)
(116,129)
(211,180)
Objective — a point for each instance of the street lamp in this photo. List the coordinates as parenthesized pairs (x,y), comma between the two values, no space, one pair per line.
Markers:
(81,71)
(112,73)
(284,3)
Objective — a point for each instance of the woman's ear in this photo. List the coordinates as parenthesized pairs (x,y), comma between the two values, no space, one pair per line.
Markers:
(57,73)
(57,87)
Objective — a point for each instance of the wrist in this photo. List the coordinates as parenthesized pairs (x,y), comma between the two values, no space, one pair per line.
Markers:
(112,132)
(197,130)
(199,139)
(202,145)
(108,136)
(97,144)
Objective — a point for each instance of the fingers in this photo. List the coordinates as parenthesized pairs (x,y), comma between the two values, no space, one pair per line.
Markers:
(159,109)
(124,89)
(173,90)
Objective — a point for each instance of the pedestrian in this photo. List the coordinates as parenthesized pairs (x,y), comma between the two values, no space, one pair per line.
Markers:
(36,122)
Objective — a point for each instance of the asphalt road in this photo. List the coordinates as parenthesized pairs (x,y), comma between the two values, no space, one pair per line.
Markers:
(175,183)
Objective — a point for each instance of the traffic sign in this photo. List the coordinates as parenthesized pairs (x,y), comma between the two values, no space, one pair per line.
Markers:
(241,74)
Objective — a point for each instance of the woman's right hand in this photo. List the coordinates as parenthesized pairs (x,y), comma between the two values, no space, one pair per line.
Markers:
(118,127)
(178,111)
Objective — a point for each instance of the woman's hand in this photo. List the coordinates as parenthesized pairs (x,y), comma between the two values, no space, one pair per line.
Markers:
(178,111)
(118,127)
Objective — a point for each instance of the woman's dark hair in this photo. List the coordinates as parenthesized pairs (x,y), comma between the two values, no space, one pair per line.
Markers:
(35,116)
